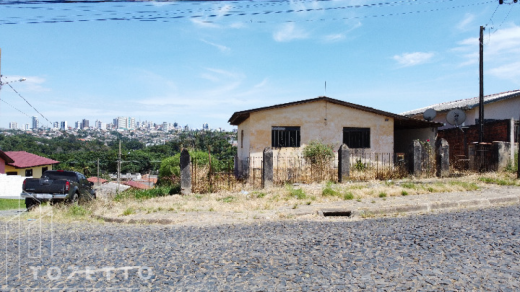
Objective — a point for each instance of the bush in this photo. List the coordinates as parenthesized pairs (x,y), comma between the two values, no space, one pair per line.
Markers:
(170,171)
(318,152)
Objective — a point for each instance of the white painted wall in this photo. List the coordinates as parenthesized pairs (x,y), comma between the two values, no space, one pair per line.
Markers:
(10,185)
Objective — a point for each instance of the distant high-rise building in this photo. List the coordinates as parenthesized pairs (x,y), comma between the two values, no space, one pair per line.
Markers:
(165,127)
(35,123)
(63,126)
(85,124)
(26,127)
(175,125)
(77,125)
(55,125)
(122,123)
(186,128)
(205,126)
(131,123)
(13,125)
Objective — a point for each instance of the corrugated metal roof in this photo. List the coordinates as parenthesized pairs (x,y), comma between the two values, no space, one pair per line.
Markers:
(465,104)
(24,159)
(400,121)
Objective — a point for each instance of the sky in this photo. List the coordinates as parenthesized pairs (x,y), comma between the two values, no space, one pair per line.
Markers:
(195,62)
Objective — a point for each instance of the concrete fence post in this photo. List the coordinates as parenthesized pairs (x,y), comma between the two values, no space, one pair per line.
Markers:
(472,152)
(267,169)
(343,163)
(501,155)
(185,165)
(442,156)
(415,158)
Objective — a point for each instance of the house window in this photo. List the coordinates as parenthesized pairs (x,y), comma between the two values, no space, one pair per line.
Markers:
(285,137)
(12,173)
(28,172)
(44,169)
(242,139)
(356,137)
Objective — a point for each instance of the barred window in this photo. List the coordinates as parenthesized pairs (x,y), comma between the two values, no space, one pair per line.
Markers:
(285,137)
(356,137)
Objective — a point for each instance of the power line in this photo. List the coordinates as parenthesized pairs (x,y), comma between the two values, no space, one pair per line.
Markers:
(167,16)
(50,123)
(14,107)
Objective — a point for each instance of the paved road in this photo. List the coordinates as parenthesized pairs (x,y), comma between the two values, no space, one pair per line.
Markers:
(470,250)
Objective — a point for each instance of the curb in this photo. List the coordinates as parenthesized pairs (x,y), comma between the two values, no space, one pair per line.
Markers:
(426,207)
(344,212)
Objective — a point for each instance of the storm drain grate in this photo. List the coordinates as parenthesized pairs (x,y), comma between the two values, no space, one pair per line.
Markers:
(337,213)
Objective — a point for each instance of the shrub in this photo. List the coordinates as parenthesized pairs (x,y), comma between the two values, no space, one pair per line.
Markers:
(318,152)
(170,171)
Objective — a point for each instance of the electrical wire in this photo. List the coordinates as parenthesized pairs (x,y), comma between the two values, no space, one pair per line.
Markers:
(167,17)
(507,15)
(14,107)
(29,103)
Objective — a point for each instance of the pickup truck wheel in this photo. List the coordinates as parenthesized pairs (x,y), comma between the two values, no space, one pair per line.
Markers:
(74,199)
(30,203)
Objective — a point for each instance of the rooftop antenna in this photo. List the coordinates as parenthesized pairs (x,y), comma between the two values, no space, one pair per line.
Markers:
(429,114)
(325,87)
(456,117)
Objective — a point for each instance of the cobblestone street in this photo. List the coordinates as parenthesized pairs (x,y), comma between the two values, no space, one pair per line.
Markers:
(466,250)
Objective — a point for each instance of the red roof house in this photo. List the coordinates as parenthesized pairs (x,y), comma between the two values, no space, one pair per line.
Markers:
(27,164)
(3,160)
(96,180)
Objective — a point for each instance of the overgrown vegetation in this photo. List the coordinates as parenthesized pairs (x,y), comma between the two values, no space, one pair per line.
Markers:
(318,152)
(79,155)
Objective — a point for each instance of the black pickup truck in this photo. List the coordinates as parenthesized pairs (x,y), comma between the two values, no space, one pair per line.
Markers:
(57,185)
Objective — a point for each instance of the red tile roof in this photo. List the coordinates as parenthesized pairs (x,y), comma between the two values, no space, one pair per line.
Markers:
(96,179)
(137,185)
(5,158)
(24,159)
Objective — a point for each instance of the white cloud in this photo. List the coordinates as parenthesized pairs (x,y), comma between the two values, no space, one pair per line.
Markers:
(413,59)
(222,48)
(204,23)
(466,23)
(31,83)
(341,36)
(508,71)
(289,32)
(501,52)
(334,37)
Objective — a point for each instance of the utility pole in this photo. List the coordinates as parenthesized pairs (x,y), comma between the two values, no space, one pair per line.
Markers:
(98,183)
(481,95)
(119,165)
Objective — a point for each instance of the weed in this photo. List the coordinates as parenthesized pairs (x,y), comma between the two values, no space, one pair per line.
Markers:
(297,193)
(348,196)
(430,189)
(329,191)
(467,186)
(128,211)
(313,198)
(295,206)
(497,181)
(228,199)
(373,202)
(77,211)
(211,209)
(358,199)
(260,195)
(408,185)
(382,195)
(308,203)
(404,193)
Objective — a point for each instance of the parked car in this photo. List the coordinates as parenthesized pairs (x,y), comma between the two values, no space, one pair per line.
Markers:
(55,186)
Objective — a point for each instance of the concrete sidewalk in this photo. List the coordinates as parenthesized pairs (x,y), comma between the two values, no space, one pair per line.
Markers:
(350,209)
